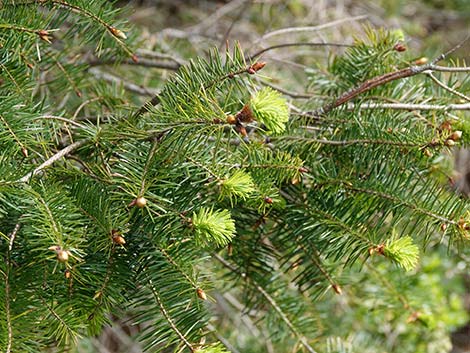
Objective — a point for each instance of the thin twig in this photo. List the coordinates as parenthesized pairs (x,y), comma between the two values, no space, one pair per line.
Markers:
(60,118)
(141,62)
(132,87)
(156,55)
(213,18)
(291,94)
(80,107)
(270,300)
(411,205)
(170,320)
(297,44)
(235,20)
(352,142)
(310,28)
(222,339)
(62,153)
(451,69)
(447,88)
(410,106)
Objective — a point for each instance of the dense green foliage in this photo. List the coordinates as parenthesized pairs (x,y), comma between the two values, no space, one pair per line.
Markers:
(329,232)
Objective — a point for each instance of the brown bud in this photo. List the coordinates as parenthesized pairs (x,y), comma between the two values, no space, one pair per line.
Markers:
(456,135)
(251,71)
(67,274)
(449,142)
(229,249)
(258,66)
(443,227)
(462,224)
(295,265)
(62,255)
(427,152)
(242,130)
(245,115)
(135,58)
(413,317)
(118,239)
(140,202)
(269,200)
(380,249)
(399,47)
(24,151)
(117,33)
(303,170)
(336,288)
(295,180)
(421,61)
(44,35)
(446,125)
(201,294)
(231,119)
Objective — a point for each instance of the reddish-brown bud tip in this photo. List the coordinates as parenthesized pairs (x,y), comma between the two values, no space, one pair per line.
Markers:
(201,294)
(399,47)
(258,66)
(337,288)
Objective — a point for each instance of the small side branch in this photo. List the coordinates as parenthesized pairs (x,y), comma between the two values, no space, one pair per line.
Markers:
(271,301)
(170,320)
(447,88)
(410,106)
(7,288)
(62,153)
(388,77)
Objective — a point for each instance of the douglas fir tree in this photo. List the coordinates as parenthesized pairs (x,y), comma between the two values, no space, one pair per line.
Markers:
(221,196)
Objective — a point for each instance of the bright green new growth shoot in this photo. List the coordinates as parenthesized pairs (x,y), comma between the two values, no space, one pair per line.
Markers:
(270,109)
(238,186)
(213,226)
(403,252)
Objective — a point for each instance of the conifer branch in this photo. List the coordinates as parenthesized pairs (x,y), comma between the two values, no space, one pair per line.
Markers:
(41,33)
(115,33)
(352,142)
(12,133)
(447,88)
(62,153)
(68,77)
(271,301)
(400,201)
(315,258)
(408,106)
(64,324)
(384,79)
(169,319)
(12,237)
(177,267)
(107,277)
(451,69)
